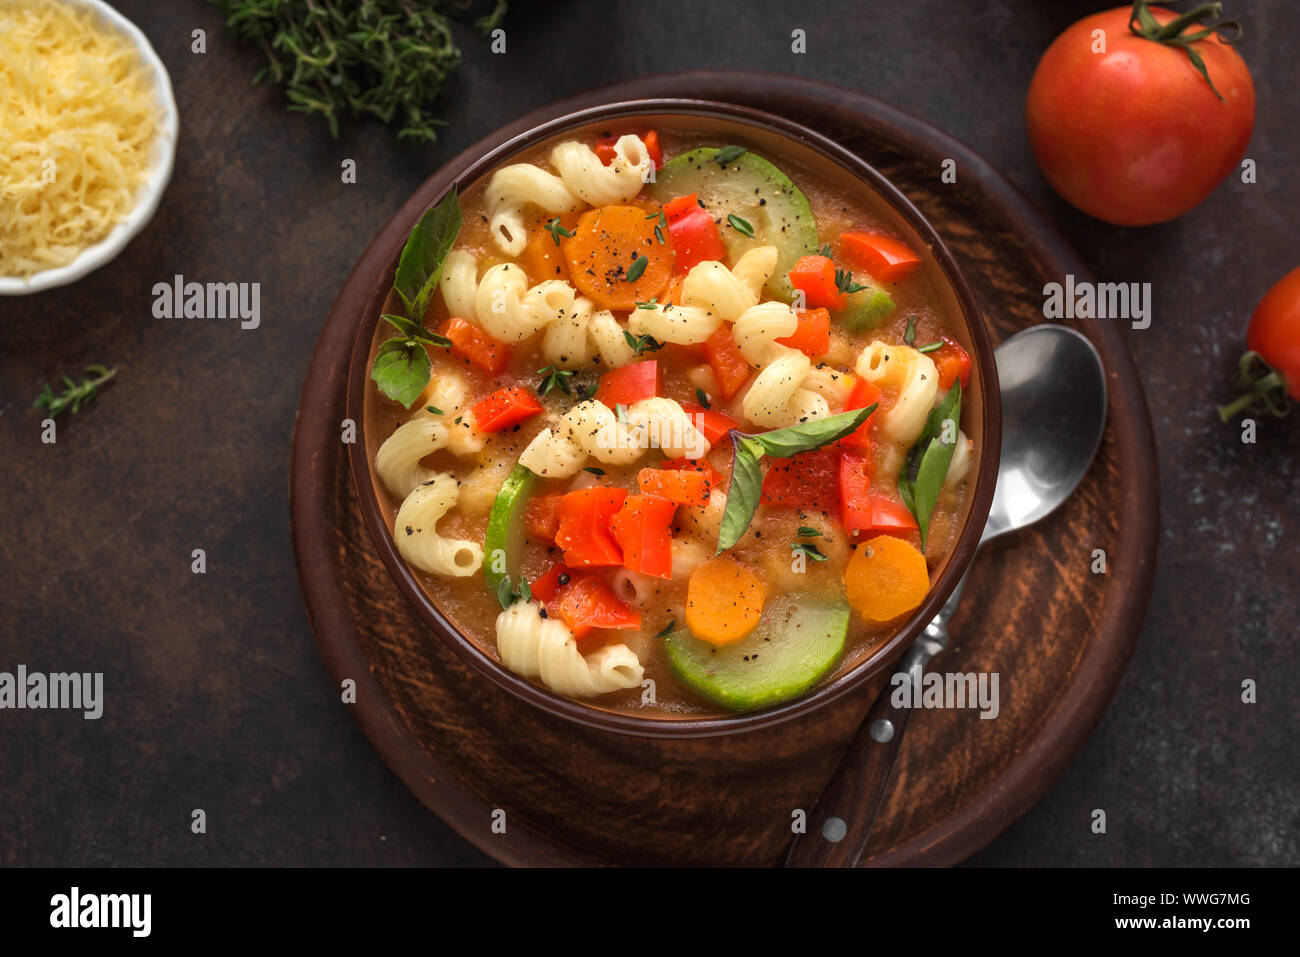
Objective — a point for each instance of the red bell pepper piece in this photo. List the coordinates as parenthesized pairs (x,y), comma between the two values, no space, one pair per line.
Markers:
(887,259)
(814,276)
(730,368)
(643,530)
(652,146)
(542,516)
(588,602)
(813,337)
(862,394)
(471,343)
(953,363)
(546,586)
(584,527)
(505,408)
(806,481)
(712,422)
(680,486)
(861,509)
(630,383)
(694,233)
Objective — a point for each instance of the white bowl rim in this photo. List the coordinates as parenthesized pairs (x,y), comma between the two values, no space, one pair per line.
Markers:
(151,190)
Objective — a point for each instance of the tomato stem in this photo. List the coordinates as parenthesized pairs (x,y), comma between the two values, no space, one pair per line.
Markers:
(1143,23)
(1268,388)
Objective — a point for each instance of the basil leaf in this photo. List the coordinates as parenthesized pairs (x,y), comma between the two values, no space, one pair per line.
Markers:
(742,496)
(425,251)
(401,369)
(807,436)
(929,459)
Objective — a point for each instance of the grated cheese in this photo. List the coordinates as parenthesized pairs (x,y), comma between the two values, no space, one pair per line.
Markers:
(78,116)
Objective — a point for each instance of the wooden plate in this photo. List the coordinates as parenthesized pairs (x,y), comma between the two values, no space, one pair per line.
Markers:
(1058,635)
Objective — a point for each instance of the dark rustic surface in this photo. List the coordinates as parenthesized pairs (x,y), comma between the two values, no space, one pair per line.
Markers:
(216,697)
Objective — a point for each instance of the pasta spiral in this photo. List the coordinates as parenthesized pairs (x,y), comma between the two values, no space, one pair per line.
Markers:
(544,648)
(913,378)
(418,541)
(511,191)
(591,428)
(595,183)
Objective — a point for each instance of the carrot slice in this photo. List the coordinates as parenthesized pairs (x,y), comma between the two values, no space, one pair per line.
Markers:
(724,601)
(611,243)
(886,577)
(543,258)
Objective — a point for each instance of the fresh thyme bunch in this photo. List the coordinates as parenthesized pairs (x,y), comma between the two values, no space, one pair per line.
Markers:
(342,58)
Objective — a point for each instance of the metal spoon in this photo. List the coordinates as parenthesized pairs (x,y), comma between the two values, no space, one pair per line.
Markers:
(1053,413)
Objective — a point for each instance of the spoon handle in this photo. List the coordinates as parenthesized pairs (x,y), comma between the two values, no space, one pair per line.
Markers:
(840,823)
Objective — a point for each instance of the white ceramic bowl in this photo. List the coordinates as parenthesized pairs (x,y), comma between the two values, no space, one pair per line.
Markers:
(151,190)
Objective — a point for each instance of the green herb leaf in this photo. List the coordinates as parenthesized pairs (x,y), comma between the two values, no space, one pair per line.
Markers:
(620,410)
(401,369)
(930,346)
(728,154)
(525,590)
(589,390)
(556,230)
(740,225)
(660,226)
(635,270)
(807,531)
(807,436)
(425,251)
(654,301)
(810,552)
(413,330)
(703,398)
(434,409)
(666,629)
(505,592)
(845,284)
(593,470)
(747,476)
(74,395)
(743,494)
(926,466)
(825,250)
(555,378)
(640,344)
(909,334)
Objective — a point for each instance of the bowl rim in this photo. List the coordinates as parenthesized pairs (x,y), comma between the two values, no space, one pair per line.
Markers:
(468,167)
(151,190)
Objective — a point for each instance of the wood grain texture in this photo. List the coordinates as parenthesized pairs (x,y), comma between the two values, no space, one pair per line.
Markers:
(1058,635)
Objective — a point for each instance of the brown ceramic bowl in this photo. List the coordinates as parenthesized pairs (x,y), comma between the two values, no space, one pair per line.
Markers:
(773,136)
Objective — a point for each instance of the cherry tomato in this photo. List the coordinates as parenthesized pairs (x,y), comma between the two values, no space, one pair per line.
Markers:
(1270,371)
(1127,129)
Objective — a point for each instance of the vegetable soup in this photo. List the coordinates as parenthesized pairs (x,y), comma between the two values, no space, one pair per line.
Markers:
(666,422)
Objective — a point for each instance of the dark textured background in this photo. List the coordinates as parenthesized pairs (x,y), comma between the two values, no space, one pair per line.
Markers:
(216,697)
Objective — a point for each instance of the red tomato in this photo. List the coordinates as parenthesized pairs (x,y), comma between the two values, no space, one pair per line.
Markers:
(1273,337)
(1135,135)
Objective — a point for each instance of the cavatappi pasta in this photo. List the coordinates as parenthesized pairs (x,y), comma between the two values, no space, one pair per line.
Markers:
(612,308)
